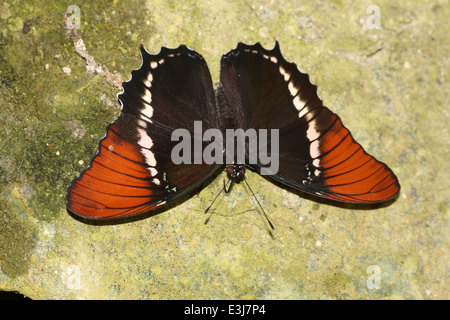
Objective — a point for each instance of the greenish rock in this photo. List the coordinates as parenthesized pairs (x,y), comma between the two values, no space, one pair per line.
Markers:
(389,85)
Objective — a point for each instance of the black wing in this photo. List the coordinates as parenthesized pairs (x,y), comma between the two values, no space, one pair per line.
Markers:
(317,154)
(133,172)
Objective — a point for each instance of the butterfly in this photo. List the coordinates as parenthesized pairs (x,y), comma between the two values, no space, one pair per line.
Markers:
(133,171)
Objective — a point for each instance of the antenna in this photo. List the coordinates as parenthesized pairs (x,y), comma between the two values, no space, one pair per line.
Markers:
(231,182)
(223,189)
(265,215)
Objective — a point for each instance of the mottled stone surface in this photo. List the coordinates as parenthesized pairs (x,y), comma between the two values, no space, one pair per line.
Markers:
(389,85)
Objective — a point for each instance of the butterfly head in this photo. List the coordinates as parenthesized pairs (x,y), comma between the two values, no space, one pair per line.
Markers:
(236,172)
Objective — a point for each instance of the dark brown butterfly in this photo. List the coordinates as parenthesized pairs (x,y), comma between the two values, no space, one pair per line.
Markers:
(132,172)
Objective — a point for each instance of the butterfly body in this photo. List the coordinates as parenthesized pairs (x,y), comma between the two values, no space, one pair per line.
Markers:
(259,92)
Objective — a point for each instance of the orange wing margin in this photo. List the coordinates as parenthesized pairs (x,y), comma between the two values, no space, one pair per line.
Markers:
(116,184)
(349,173)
